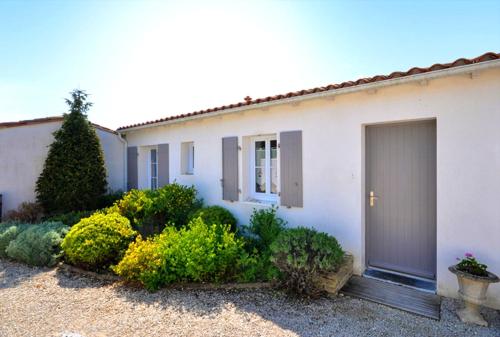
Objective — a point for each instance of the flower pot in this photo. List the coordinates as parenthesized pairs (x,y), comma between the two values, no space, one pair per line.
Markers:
(472,289)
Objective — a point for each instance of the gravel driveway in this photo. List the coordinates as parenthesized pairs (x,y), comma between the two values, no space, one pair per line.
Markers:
(46,302)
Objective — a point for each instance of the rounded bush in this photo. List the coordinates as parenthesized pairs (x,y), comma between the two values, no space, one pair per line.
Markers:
(39,244)
(98,241)
(8,232)
(216,215)
(301,254)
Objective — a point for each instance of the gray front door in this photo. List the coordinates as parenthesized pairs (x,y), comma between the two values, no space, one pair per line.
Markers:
(401,210)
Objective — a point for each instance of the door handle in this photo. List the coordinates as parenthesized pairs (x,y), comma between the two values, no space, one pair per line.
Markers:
(372,197)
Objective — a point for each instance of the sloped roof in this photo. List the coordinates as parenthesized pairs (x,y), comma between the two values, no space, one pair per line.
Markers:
(378,78)
(46,120)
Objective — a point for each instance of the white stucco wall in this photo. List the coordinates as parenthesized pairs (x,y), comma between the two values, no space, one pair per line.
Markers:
(23,150)
(467,111)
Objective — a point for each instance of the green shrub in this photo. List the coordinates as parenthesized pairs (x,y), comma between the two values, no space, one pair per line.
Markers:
(109,199)
(216,215)
(134,205)
(143,263)
(264,228)
(99,241)
(27,212)
(8,232)
(71,218)
(170,204)
(173,203)
(73,176)
(198,252)
(38,245)
(301,254)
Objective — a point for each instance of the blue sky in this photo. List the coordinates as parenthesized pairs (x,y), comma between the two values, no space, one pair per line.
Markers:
(142,60)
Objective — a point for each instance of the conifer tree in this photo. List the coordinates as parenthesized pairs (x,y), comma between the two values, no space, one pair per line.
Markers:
(74,175)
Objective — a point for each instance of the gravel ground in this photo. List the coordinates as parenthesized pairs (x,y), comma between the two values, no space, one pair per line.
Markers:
(46,302)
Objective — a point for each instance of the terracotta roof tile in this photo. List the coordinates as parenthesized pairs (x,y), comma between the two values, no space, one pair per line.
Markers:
(397,74)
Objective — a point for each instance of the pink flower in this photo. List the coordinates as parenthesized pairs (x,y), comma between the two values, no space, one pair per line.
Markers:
(468,255)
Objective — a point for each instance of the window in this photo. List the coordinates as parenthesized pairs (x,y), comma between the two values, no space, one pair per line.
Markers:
(187,158)
(264,168)
(153,163)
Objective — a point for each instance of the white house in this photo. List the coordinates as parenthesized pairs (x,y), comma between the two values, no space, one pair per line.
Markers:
(403,169)
(24,146)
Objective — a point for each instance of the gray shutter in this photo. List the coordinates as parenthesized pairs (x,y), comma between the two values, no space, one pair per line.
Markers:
(163,162)
(291,168)
(132,167)
(230,168)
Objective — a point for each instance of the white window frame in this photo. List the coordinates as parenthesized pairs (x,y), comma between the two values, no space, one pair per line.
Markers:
(187,158)
(150,164)
(267,196)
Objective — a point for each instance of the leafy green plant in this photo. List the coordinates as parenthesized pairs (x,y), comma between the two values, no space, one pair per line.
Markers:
(469,264)
(264,228)
(173,203)
(198,252)
(301,254)
(8,232)
(170,204)
(38,245)
(70,218)
(134,205)
(74,175)
(216,215)
(99,241)
(143,262)
(26,212)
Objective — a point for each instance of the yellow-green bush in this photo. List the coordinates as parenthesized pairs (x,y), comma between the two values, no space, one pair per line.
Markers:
(98,241)
(199,253)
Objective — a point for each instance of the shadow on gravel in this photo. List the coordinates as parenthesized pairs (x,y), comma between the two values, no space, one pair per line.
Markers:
(11,275)
(68,279)
(342,316)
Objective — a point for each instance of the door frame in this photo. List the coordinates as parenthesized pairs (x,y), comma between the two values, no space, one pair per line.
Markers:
(364,195)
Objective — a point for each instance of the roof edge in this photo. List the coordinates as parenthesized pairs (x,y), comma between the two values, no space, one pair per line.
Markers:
(51,119)
(431,74)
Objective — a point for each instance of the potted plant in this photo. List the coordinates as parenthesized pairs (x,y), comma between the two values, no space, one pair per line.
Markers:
(473,281)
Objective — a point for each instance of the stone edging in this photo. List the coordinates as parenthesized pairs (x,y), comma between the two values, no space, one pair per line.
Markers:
(103,277)
(179,286)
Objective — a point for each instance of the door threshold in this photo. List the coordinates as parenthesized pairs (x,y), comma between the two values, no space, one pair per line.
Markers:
(402,280)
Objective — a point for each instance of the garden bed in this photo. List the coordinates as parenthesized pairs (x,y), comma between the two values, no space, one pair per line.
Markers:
(110,277)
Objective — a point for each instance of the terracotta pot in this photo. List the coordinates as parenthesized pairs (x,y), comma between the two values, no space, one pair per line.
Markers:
(472,289)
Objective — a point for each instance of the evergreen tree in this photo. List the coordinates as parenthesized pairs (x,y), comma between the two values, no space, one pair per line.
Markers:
(74,175)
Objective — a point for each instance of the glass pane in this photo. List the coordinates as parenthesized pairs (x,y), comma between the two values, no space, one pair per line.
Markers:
(274,167)
(154,170)
(260,180)
(153,156)
(274,149)
(260,153)
(192,157)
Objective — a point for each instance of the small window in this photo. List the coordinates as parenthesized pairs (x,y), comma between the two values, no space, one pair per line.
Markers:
(187,158)
(153,160)
(264,169)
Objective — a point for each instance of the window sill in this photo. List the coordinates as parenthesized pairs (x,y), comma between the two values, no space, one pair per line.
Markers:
(258,202)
